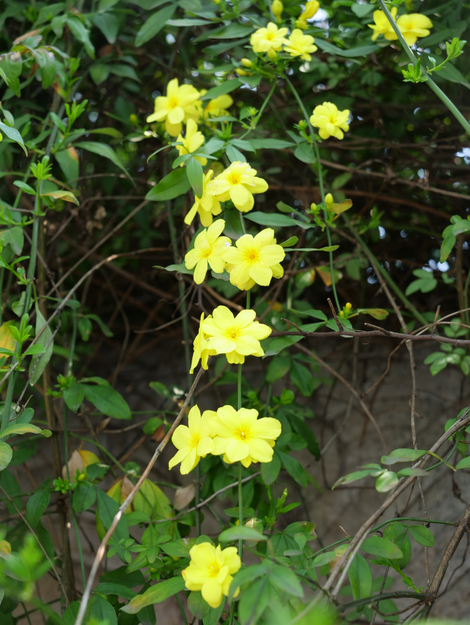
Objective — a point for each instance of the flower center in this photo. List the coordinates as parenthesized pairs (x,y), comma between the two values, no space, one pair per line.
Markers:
(235,177)
(232,333)
(243,434)
(214,570)
(252,255)
(269,36)
(332,119)
(173,102)
(195,441)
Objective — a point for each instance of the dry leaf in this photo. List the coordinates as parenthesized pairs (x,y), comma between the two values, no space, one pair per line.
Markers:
(184,496)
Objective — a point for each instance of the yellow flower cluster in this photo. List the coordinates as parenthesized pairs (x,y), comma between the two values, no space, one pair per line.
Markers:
(330,121)
(253,260)
(181,104)
(270,40)
(412,26)
(211,571)
(237,435)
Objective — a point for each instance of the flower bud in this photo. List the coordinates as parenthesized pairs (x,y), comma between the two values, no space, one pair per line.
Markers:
(247,62)
(310,9)
(241,72)
(314,208)
(328,199)
(301,23)
(302,124)
(277,8)
(348,307)
(272,54)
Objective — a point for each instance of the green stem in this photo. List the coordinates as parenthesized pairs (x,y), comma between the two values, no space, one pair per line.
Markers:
(258,117)
(77,535)
(432,85)
(30,276)
(240,493)
(182,610)
(467,284)
(248,300)
(386,276)
(320,184)
(387,595)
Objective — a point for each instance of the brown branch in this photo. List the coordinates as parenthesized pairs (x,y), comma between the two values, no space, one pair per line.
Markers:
(102,548)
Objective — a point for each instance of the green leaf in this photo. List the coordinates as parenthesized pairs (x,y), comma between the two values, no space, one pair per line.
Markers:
(270,470)
(197,605)
(39,363)
(108,24)
(270,144)
(403,455)
(68,162)
(99,73)
(285,580)
(34,350)
(408,471)
(328,47)
(14,135)
(106,510)
(376,313)
(422,535)
(361,10)
(84,496)
(46,61)
(80,32)
(18,429)
(304,152)
(294,469)
(387,481)
(424,285)
(155,594)
(302,378)
(244,533)
(276,345)
(176,183)
(352,477)
(226,87)
(464,463)
(24,187)
(124,71)
(37,505)
(154,24)
(108,401)
(67,196)
(6,453)
(276,221)
(102,611)
(278,367)
(194,172)
(109,588)
(104,150)
(306,433)
(246,575)
(377,546)
(360,577)
(323,558)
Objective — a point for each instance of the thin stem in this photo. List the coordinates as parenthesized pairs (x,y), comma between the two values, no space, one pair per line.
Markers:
(248,300)
(432,85)
(182,610)
(320,183)
(240,493)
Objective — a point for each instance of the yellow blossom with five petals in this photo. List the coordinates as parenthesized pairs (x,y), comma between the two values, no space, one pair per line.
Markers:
(300,45)
(237,183)
(207,252)
(211,571)
(412,27)
(176,107)
(381,25)
(269,39)
(242,437)
(214,108)
(201,352)
(254,260)
(191,142)
(207,205)
(330,121)
(236,337)
(193,441)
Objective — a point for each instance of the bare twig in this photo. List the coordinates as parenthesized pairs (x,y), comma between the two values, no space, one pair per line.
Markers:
(102,548)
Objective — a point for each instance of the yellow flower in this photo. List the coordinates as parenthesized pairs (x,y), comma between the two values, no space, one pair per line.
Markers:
(277,8)
(236,337)
(211,571)
(310,9)
(214,108)
(330,121)
(413,26)
(201,353)
(300,45)
(176,107)
(254,260)
(237,183)
(193,441)
(207,205)
(269,39)
(208,249)
(382,26)
(242,437)
(192,141)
